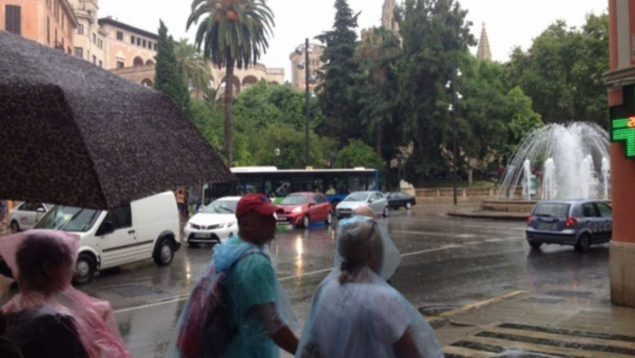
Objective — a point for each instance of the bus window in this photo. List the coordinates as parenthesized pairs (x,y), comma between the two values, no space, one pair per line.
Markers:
(356,183)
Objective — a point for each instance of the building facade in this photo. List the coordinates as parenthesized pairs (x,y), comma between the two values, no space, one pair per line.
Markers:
(90,39)
(483,52)
(298,71)
(48,22)
(620,81)
(388,19)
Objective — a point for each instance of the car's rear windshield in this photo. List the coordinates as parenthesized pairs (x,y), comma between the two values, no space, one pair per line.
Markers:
(295,200)
(552,210)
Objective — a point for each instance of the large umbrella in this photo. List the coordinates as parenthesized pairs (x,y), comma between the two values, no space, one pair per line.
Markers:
(74,134)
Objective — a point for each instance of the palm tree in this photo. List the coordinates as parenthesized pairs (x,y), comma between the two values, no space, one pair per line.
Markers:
(232,33)
(196,68)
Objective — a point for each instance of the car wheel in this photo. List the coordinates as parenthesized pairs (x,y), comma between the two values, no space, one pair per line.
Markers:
(15,227)
(535,245)
(584,243)
(408,206)
(164,253)
(329,219)
(385,212)
(306,222)
(84,269)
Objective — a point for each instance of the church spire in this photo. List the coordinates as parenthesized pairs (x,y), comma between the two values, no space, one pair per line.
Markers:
(483,52)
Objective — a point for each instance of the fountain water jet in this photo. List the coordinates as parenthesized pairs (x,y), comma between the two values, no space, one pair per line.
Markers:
(568,155)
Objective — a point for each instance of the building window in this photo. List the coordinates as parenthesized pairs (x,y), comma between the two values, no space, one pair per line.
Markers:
(132,40)
(80,29)
(101,64)
(100,43)
(144,43)
(79,52)
(138,41)
(13,19)
(48,30)
(120,64)
(119,35)
(94,38)
(94,60)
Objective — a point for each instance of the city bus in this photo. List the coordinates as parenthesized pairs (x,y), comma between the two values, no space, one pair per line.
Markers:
(276,183)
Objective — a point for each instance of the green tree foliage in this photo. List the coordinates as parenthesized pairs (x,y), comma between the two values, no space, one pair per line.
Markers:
(435,36)
(358,154)
(169,77)
(562,72)
(523,118)
(232,33)
(197,70)
(377,56)
(337,94)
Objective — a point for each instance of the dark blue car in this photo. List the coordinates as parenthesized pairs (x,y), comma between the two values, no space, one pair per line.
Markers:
(580,223)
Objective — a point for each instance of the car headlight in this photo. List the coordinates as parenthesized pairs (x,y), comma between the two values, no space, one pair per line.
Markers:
(297,210)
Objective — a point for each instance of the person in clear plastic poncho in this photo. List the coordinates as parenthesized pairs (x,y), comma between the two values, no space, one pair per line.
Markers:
(355,313)
(48,317)
(258,310)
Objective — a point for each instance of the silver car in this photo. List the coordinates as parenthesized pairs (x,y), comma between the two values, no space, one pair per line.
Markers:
(26,215)
(373,199)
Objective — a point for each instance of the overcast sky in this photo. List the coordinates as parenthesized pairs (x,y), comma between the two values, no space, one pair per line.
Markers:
(509,22)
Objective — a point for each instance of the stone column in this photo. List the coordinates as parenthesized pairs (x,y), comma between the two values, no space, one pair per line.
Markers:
(622,261)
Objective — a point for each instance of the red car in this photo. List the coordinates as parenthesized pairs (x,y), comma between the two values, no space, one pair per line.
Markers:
(303,209)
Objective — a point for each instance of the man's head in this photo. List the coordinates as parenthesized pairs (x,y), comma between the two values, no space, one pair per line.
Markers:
(365,211)
(256,220)
(45,264)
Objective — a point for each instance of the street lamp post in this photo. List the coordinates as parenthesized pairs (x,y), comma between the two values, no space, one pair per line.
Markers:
(456,73)
(308,101)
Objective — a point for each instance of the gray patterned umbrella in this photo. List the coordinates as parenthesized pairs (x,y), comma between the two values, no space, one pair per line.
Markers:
(74,134)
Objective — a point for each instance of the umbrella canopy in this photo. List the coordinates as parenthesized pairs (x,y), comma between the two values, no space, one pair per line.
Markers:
(74,134)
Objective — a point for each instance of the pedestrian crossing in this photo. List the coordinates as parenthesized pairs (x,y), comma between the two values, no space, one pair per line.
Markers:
(518,340)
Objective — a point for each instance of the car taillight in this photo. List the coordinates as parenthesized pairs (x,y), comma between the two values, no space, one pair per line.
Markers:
(571,222)
(531,220)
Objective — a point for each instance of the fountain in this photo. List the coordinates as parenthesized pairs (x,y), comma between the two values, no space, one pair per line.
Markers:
(564,159)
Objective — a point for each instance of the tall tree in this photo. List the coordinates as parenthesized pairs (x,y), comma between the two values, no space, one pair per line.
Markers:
(169,77)
(197,70)
(232,33)
(435,36)
(337,93)
(377,56)
(562,71)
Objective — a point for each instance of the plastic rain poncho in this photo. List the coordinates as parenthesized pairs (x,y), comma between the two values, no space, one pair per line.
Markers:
(258,306)
(364,318)
(93,319)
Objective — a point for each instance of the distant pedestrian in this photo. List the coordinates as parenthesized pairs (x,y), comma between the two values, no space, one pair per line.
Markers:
(49,318)
(181,202)
(4,211)
(355,313)
(238,308)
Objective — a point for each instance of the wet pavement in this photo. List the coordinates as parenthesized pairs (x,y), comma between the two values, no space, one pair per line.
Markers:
(446,263)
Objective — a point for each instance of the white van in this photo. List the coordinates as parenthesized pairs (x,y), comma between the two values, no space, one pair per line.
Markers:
(146,228)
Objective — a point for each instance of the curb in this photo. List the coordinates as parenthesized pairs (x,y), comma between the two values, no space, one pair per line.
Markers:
(474,215)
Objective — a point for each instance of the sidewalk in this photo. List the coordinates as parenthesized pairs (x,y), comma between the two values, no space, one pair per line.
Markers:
(559,323)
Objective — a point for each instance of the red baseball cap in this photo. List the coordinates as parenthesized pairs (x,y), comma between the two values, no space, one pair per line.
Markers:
(258,203)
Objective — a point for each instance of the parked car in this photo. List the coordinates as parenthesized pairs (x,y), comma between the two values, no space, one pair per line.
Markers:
(302,209)
(146,228)
(214,223)
(580,223)
(373,199)
(398,200)
(26,215)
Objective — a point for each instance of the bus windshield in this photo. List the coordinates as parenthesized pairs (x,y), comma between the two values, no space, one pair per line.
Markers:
(67,218)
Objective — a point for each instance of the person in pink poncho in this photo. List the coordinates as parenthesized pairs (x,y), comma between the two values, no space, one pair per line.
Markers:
(48,317)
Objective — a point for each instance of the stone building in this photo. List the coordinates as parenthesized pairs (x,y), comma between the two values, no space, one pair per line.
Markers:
(483,52)
(90,38)
(298,72)
(388,19)
(48,22)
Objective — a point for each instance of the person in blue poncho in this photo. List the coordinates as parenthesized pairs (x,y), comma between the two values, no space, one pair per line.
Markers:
(355,313)
(252,315)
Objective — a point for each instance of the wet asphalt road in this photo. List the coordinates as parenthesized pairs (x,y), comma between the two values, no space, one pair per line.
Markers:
(446,263)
